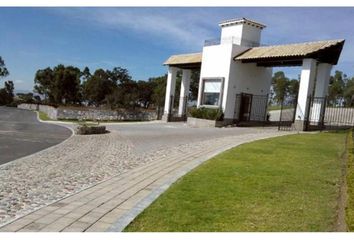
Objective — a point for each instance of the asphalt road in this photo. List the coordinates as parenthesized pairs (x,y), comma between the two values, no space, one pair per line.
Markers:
(22,134)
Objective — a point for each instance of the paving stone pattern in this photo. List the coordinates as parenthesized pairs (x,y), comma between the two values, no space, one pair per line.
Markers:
(79,186)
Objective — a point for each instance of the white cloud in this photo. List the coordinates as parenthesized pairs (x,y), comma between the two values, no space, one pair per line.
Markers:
(165,25)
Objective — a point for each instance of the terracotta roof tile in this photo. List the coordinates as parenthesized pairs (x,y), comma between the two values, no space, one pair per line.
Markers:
(288,50)
(184,59)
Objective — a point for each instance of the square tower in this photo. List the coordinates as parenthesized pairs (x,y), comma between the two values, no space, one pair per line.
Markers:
(241,32)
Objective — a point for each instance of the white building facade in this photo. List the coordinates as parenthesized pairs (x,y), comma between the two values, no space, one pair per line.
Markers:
(236,70)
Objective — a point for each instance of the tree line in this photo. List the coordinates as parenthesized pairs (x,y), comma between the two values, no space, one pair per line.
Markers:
(114,88)
(6,93)
(340,89)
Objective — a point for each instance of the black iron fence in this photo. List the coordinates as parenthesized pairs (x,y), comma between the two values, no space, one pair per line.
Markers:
(173,114)
(287,113)
(251,108)
(323,114)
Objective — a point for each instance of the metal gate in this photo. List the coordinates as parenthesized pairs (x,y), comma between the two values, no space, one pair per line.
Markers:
(173,115)
(287,113)
(324,114)
(250,109)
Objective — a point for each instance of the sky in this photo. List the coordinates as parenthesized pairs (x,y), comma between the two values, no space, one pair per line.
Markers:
(141,39)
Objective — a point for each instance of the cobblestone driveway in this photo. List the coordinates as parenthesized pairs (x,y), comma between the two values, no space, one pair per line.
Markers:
(80,162)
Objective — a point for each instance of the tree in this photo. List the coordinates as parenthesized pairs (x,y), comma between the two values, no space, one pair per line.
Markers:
(7,93)
(59,85)
(194,85)
(26,97)
(337,84)
(159,90)
(293,88)
(98,86)
(44,84)
(145,92)
(280,86)
(348,92)
(68,79)
(119,76)
(3,70)
(124,95)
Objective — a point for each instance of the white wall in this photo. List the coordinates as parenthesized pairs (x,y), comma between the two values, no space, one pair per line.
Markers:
(242,34)
(217,62)
(252,34)
(246,78)
(234,32)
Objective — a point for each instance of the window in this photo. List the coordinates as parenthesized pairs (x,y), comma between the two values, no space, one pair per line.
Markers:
(212,89)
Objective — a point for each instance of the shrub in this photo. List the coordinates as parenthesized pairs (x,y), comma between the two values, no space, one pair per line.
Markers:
(86,129)
(207,113)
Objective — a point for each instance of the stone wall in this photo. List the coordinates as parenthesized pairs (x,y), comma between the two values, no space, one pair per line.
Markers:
(52,112)
(105,115)
(91,113)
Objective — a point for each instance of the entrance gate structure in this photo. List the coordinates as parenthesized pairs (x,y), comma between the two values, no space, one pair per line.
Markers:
(250,64)
(316,60)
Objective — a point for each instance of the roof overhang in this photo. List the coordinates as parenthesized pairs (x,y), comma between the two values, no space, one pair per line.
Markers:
(293,54)
(185,61)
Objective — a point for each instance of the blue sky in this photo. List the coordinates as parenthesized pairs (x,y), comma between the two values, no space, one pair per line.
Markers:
(140,39)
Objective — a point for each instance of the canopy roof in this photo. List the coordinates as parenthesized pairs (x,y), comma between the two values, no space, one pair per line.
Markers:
(187,61)
(272,56)
(293,54)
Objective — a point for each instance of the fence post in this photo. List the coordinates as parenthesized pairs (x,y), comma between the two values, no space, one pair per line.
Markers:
(323,112)
(307,113)
(281,113)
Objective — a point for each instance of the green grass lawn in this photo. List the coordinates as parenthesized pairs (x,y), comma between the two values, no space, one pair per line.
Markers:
(43,116)
(350,184)
(288,183)
(273,108)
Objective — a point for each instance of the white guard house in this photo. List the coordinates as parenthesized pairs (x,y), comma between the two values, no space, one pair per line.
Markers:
(236,73)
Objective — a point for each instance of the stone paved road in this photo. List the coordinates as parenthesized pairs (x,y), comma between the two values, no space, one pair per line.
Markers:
(110,168)
(22,134)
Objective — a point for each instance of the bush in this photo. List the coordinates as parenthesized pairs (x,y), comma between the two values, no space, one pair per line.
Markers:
(207,113)
(86,129)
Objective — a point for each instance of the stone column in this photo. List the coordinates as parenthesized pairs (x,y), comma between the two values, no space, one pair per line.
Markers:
(308,74)
(321,90)
(186,79)
(170,90)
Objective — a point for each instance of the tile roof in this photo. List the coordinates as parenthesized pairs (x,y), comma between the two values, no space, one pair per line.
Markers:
(181,59)
(241,21)
(287,50)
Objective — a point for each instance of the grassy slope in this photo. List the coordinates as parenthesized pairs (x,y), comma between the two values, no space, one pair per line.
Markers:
(288,183)
(43,116)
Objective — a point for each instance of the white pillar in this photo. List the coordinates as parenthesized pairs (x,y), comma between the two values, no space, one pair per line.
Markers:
(308,74)
(321,89)
(322,79)
(170,88)
(200,89)
(186,79)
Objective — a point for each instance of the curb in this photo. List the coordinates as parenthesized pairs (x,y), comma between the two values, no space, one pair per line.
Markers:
(128,217)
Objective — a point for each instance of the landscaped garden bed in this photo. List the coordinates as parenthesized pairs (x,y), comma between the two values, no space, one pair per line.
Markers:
(205,117)
(87,129)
